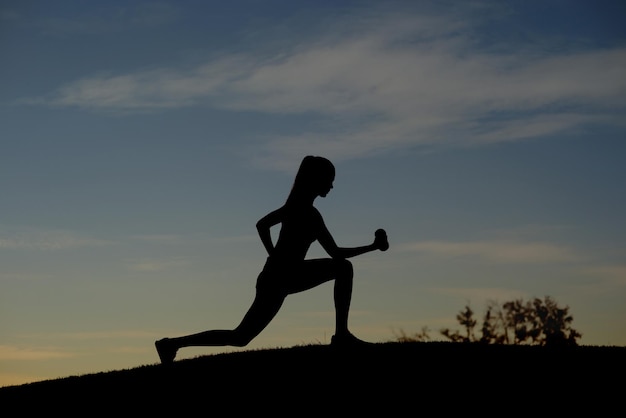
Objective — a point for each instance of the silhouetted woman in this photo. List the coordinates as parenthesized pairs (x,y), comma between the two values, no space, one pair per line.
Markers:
(286,271)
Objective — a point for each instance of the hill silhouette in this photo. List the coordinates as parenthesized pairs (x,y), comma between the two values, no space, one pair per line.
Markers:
(312,380)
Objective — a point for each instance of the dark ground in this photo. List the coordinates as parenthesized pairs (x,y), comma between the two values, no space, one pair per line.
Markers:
(387,378)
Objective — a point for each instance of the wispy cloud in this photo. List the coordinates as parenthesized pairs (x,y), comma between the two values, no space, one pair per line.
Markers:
(8,352)
(132,350)
(106,335)
(390,83)
(44,239)
(91,335)
(40,352)
(495,251)
(611,274)
(477,297)
(172,239)
(152,265)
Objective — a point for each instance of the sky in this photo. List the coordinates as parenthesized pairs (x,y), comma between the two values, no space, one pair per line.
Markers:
(140,142)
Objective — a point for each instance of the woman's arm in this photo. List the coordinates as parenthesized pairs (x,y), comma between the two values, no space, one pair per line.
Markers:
(328,243)
(263,228)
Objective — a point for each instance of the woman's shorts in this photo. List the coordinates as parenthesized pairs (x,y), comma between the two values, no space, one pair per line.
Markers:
(278,275)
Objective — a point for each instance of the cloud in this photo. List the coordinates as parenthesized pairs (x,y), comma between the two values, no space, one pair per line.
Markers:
(132,350)
(390,83)
(507,252)
(612,274)
(45,239)
(478,296)
(172,239)
(156,89)
(151,265)
(11,353)
(103,335)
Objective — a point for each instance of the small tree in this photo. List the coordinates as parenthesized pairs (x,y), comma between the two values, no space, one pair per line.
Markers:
(515,320)
(536,322)
(452,336)
(492,323)
(550,324)
(466,319)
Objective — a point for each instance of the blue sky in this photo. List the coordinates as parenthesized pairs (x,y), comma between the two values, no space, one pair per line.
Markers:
(141,142)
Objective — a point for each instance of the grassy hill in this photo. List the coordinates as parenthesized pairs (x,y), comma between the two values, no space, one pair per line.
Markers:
(389,378)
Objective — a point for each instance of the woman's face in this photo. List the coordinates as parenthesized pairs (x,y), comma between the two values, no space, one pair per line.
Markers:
(325,185)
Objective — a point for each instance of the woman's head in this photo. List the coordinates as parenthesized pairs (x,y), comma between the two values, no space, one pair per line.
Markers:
(315,176)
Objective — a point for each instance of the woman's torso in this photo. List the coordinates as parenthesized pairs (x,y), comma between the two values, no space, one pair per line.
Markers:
(298,231)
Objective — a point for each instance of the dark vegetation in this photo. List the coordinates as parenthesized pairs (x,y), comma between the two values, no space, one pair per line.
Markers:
(536,322)
(316,380)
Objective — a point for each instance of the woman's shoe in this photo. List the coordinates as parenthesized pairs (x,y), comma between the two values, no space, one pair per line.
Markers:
(347,340)
(165,351)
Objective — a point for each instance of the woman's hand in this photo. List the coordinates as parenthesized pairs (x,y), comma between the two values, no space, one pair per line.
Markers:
(380,240)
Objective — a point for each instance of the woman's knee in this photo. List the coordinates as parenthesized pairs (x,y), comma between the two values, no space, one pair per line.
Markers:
(344,268)
(241,341)
(241,338)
